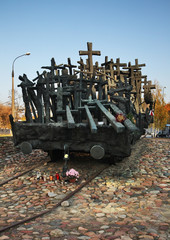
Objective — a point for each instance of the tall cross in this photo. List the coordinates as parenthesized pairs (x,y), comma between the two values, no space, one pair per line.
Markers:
(106,63)
(96,68)
(137,65)
(149,86)
(90,53)
(70,66)
(82,65)
(118,65)
(53,66)
(109,66)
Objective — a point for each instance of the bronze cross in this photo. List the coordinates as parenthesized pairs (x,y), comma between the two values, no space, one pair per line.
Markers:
(53,66)
(149,86)
(70,66)
(106,63)
(118,65)
(90,53)
(139,65)
(82,65)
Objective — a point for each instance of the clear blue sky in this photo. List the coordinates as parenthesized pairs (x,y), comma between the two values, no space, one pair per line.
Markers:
(127,29)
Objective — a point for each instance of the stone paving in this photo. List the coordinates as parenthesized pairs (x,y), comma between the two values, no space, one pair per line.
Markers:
(127,201)
(12,161)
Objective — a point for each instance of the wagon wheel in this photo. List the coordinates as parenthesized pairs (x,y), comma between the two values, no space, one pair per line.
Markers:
(56,155)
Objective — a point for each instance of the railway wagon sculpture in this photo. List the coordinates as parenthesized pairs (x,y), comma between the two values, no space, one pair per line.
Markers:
(94,109)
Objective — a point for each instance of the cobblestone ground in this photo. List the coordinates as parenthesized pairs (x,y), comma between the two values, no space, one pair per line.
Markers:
(127,201)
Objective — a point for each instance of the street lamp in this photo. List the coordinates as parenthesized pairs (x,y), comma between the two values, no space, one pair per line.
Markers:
(163,91)
(13,97)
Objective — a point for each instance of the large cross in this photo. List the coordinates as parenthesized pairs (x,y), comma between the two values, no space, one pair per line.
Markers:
(137,65)
(106,63)
(90,53)
(70,66)
(118,65)
(82,65)
(148,86)
(96,68)
(109,68)
(53,66)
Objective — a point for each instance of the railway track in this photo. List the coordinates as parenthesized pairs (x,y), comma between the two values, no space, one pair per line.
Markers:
(24,198)
(21,173)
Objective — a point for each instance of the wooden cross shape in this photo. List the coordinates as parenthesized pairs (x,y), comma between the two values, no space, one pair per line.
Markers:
(137,65)
(109,66)
(149,86)
(90,53)
(82,65)
(106,63)
(118,65)
(53,66)
(70,66)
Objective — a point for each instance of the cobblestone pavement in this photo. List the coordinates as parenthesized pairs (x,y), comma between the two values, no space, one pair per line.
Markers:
(127,201)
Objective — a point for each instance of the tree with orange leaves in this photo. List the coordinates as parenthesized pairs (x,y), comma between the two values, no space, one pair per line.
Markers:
(160,111)
(167,108)
(4,116)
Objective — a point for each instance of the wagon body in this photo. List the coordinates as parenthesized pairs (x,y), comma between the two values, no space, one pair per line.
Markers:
(49,137)
(97,110)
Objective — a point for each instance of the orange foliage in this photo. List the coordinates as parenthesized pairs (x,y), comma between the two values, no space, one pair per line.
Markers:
(4,116)
(167,108)
(160,111)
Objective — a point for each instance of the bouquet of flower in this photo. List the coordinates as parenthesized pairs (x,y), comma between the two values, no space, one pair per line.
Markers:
(72,173)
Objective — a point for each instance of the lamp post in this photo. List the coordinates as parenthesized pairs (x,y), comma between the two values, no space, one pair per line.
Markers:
(163,91)
(13,97)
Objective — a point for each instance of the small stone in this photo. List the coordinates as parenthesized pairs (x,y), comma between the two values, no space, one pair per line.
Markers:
(104,227)
(51,194)
(82,229)
(57,233)
(59,197)
(75,233)
(122,216)
(100,215)
(155,192)
(21,228)
(94,196)
(125,238)
(4,237)
(101,231)
(65,204)
(146,237)
(143,171)
(4,195)
(151,230)
(83,237)
(73,211)
(164,226)
(27,236)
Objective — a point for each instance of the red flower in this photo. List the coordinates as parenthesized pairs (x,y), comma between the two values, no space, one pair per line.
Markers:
(120,117)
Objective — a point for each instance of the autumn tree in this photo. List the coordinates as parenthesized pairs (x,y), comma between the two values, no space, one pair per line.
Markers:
(4,116)
(160,111)
(167,107)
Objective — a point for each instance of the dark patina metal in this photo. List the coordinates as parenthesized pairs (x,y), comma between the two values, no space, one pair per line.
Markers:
(94,109)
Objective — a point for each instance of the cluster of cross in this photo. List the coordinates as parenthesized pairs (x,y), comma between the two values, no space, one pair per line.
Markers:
(67,94)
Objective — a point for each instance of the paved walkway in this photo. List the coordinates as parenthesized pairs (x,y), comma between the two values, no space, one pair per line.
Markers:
(128,201)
